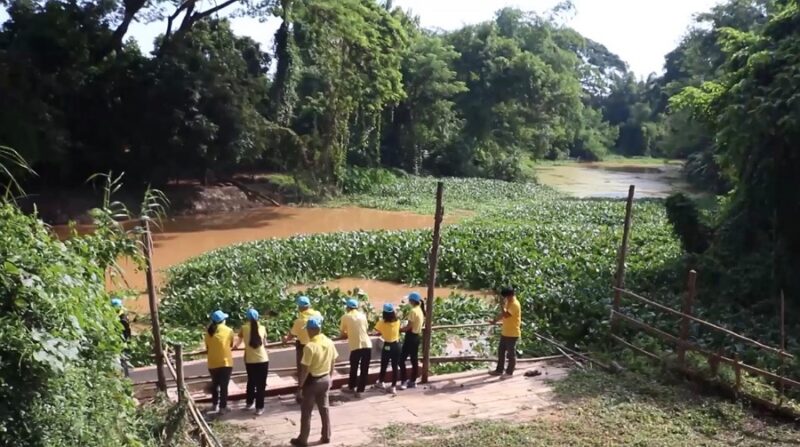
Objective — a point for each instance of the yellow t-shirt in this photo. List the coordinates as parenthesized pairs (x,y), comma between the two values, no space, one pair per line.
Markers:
(416,319)
(390,332)
(512,324)
(354,324)
(319,355)
(299,327)
(254,355)
(219,347)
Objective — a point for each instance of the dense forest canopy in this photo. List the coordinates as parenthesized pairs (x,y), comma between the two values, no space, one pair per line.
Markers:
(361,83)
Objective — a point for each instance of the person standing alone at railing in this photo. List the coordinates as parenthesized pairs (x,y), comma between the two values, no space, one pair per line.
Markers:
(122,314)
(354,327)
(319,358)
(413,330)
(298,331)
(511,316)
(256,360)
(219,344)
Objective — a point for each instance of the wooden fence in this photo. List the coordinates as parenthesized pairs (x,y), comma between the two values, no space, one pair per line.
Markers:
(681,341)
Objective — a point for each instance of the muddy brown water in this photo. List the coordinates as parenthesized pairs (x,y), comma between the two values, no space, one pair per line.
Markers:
(612,179)
(380,292)
(182,238)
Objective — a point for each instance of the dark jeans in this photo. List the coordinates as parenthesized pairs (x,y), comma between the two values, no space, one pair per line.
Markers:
(220,377)
(390,352)
(256,383)
(508,347)
(359,356)
(410,349)
(298,355)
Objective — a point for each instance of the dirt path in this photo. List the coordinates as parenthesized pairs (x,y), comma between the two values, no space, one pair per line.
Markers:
(449,400)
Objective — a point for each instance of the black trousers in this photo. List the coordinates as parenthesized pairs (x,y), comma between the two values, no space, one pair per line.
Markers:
(298,355)
(256,383)
(507,348)
(220,377)
(358,357)
(410,349)
(390,353)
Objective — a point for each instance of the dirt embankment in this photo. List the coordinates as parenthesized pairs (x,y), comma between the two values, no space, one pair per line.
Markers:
(58,207)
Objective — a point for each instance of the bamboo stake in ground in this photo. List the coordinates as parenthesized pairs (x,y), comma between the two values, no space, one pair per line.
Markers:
(433,261)
(158,348)
(688,301)
(619,279)
(783,346)
(179,380)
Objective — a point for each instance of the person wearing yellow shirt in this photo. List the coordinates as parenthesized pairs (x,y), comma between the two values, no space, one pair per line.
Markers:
(511,315)
(298,331)
(219,343)
(389,329)
(256,360)
(354,327)
(413,331)
(319,358)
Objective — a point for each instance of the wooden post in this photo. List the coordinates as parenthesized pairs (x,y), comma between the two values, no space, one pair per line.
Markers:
(738,371)
(688,301)
(783,346)
(158,348)
(432,262)
(179,379)
(619,278)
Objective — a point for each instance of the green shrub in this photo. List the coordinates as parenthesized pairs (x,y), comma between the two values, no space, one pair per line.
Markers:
(60,340)
(358,179)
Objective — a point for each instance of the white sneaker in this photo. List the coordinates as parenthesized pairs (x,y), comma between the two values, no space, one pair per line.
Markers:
(259,412)
(402,387)
(379,386)
(214,410)
(249,407)
(392,390)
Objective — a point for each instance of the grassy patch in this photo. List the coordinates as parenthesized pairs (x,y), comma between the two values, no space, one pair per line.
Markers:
(598,409)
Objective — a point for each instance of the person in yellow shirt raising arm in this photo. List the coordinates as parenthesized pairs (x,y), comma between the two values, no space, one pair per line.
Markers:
(413,330)
(354,327)
(511,316)
(256,360)
(319,358)
(298,331)
(389,329)
(219,343)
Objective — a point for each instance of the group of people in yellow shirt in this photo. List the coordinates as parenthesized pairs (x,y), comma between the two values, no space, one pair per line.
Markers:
(316,354)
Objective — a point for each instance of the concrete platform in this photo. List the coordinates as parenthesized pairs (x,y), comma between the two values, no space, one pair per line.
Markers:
(448,400)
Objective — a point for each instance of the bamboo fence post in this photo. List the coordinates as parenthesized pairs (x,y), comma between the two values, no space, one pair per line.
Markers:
(686,309)
(433,261)
(178,348)
(619,278)
(158,348)
(738,371)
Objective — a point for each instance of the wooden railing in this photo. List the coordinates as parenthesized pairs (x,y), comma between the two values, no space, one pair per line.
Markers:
(683,344)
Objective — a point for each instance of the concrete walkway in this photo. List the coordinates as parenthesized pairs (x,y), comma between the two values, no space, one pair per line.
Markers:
(447,401)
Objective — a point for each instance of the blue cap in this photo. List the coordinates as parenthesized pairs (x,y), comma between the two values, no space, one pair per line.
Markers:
(303,301)
(388,307)
(415,297)
(116,302)
(219,316)
(314,323)
(252,314)
(351,303)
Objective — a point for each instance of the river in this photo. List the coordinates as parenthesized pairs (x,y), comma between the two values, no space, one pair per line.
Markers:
(182,238)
